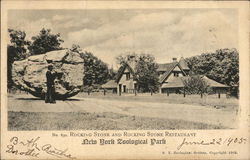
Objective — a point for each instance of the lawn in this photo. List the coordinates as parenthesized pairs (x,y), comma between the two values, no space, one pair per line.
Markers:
(126,112)
(93,121)
(224,103)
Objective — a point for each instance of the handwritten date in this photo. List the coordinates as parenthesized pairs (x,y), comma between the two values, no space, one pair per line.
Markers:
(219,141)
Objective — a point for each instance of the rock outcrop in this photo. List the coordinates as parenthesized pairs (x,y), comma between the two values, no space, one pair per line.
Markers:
(30,74)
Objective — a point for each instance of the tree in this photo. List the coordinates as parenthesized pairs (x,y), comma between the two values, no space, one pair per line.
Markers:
(221,66)
(16,50)
(146,73)
(96,72)
(45,42)
(196,85)
(126,58)
(112,74)
(18,45)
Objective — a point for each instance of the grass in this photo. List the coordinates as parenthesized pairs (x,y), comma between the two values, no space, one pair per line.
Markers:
(95,121)
(223,103)
(207,100)
(114,121)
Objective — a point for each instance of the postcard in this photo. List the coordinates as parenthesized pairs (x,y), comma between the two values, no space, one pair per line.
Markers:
(125,80)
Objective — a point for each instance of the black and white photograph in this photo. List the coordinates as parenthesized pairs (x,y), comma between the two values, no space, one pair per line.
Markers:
(122,69)
(125,80)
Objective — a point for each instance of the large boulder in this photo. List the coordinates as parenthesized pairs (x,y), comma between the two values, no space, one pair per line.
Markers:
(30,74)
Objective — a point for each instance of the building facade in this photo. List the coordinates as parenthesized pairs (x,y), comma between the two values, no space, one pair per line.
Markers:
(171,79)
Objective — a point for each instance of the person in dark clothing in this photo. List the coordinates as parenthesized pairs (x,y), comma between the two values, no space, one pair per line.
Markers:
(51,76)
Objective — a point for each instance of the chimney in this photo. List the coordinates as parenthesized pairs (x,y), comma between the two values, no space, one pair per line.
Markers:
(174,59)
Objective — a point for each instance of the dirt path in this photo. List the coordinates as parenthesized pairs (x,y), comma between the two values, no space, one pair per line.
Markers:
(186,112)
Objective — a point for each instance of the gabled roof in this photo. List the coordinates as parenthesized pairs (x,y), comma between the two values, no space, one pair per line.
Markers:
(130,66)
(110,84)
(178,82)
(183,64)
(166,66)
(213,83)
(168,69)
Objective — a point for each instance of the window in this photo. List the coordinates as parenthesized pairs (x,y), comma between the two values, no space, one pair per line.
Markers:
(176,74)
(128,76)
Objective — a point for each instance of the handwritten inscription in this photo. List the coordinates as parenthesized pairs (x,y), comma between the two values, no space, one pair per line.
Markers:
(31,148)
(34,148)
(49,149)
(219,141)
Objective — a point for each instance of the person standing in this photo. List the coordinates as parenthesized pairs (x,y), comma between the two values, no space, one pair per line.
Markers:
(51,76)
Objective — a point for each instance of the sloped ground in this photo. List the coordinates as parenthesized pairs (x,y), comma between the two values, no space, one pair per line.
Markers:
(28,113)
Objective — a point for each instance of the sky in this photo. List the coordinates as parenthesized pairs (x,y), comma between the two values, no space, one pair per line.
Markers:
(108,33)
